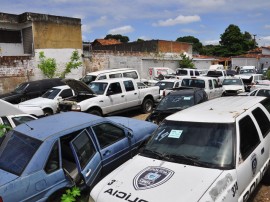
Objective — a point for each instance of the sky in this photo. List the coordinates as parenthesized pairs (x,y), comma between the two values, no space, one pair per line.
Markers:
(156,19)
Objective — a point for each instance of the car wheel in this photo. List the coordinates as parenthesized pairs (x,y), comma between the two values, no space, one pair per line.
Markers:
(147,105)
(95,112)
(47,112)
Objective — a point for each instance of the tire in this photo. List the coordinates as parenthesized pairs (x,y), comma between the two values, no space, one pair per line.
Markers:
(266,177)
(147,105)
(95,112)
(47,112)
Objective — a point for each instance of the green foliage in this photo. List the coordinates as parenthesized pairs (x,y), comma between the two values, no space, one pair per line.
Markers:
(47,65)
(140,40)
(123,39)
(186,62)
(71,194)
(268,74)
(4,129)
(74,63)
(196,44)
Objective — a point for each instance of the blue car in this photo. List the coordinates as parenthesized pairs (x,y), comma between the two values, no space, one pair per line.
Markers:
(41,158)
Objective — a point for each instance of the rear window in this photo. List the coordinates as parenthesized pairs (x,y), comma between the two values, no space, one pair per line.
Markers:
(193,83)
(16,152)
(214,73)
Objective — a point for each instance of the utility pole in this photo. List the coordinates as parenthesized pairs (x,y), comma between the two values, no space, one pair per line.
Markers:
(254,39)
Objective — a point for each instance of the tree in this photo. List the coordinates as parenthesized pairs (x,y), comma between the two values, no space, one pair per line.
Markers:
(74,63)
(186,62)
(196,44)
(123,39)
(47,65)
(234,42)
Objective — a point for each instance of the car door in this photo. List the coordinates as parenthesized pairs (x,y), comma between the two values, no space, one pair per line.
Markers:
(87,157)
(250,156)
(132,94)
(116,97)
(115,145)
(217,89)
(211,93)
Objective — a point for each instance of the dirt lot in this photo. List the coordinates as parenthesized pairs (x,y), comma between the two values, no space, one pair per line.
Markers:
(261,194)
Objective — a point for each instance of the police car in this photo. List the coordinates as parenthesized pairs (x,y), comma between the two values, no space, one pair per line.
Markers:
(214,151)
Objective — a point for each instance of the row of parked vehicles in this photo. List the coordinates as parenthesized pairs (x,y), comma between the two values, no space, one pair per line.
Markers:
(204,146)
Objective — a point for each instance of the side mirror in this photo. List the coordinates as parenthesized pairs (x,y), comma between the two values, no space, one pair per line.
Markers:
(59,99)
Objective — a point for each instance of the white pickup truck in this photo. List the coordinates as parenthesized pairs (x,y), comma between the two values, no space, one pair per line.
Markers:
(220,74)
(109,96)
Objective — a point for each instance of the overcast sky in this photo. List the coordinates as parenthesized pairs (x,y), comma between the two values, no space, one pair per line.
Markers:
(156,19)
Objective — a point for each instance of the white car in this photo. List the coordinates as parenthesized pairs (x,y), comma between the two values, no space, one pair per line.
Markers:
(11,116)
(203,153)
(232,86)
(48,102)
(167,84)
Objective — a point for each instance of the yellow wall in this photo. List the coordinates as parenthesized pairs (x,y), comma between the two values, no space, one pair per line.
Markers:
(56,36)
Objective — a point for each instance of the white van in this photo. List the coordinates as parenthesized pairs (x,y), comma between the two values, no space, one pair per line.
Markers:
(155,72)
(111,73)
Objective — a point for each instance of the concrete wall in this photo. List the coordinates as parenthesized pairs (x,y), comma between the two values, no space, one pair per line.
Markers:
(54,35)
(202,64)
(245,62)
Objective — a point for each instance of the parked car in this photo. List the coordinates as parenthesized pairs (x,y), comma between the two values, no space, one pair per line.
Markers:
(12,116)
(219,74)
(167,84)
(232,86)
(263,91)
(175,101)
(187,72)
(41,159)
(215,151)
(111,73)
(30,89)
(109,96)
(49,101)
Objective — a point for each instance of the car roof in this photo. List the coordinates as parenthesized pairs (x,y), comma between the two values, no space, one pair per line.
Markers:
(62,87)
(218,110)
(169,80)
(57,125)
(113,80)
(96,73)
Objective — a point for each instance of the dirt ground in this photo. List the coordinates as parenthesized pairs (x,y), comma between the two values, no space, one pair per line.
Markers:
(261,194)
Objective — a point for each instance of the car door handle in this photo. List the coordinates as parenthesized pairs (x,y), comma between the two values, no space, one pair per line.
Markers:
(101,101)
(88,173)
(107,152)
(122,95)
(135,93)
(262,151)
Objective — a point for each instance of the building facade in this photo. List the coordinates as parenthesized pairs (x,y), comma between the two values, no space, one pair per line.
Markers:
(24,36)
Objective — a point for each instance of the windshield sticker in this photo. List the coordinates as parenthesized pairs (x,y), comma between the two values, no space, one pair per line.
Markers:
(152,177)
(175,133)
(187,98)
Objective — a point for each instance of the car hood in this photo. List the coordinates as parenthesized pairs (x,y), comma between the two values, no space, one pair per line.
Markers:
(79,87)
(150,179)
(37,101)
(8,96)
(6,177)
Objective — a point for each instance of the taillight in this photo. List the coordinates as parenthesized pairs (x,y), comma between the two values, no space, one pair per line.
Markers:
(163,93)
(1,200)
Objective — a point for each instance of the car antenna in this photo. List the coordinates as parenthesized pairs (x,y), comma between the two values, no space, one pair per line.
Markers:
(29,126)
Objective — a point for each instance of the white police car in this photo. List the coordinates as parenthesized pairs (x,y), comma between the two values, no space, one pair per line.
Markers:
(214,151)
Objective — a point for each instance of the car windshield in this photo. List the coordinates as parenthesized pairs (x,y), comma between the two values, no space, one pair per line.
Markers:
(193,83)
(164,85)
(176,102)
(89,78)
(232,82)
(17,120)
(21,88)
(16,152)
(199,144)
(98,87)
(51,94)
(247,71)
(182,72)
(214,73)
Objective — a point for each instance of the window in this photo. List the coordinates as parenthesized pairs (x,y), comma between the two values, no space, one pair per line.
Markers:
(108,133)
(262,120)
(118,75)
(249,137)
(66,93)
(129,85)
(266,104)
(53,160)
(115,88)
(10,36)
(197,73)
(191,73)
(84,148)
(17,120)
(215,83)
(210,84)
(102,77)
(132,74)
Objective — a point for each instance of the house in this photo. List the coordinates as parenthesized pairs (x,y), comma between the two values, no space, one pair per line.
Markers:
(24,36)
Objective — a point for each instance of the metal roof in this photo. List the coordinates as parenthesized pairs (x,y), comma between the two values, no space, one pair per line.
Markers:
(219,110)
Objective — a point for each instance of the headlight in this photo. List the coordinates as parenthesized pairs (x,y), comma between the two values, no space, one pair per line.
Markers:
(91,199)
(75,108)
